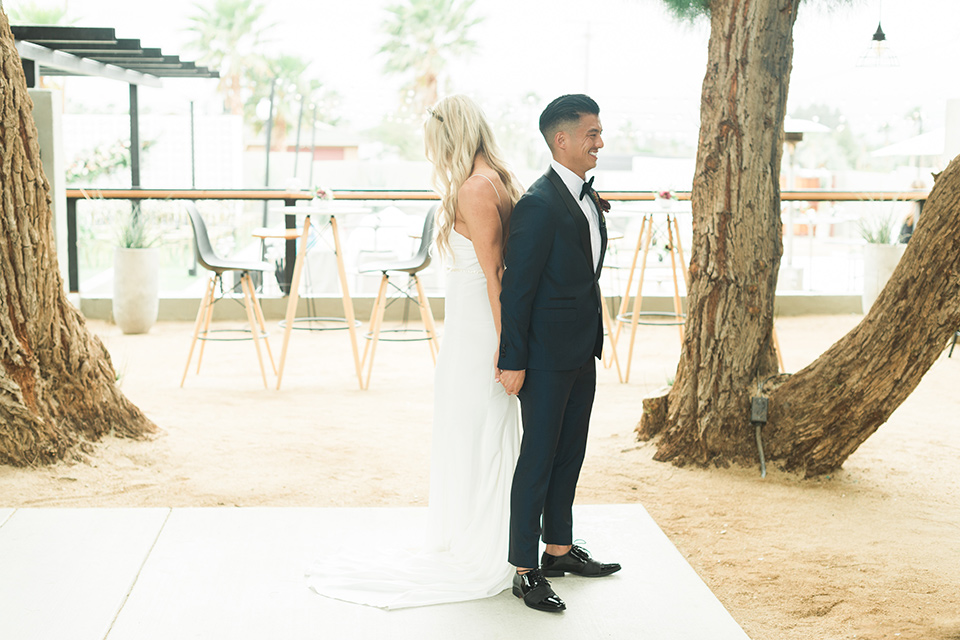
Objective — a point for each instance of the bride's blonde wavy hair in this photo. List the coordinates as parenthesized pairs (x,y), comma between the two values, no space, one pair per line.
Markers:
(454,133)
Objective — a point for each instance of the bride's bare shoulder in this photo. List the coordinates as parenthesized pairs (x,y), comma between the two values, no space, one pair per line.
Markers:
(480,189)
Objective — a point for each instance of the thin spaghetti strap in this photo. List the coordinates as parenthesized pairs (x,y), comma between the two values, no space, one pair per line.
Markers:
(491,184)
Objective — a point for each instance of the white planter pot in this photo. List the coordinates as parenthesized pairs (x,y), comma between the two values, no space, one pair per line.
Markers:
(136,288)
(879,261)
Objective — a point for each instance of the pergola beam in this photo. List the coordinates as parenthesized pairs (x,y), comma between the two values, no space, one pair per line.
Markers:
(73,65)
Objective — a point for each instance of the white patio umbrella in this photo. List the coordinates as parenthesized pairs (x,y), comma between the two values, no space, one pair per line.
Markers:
(799,125)
(930,143)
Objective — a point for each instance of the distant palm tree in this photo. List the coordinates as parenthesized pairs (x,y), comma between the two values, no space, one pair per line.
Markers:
(34,13)
(292,83)
(422,36)
(228,35)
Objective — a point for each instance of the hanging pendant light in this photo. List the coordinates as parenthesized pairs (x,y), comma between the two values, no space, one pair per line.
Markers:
(878,54)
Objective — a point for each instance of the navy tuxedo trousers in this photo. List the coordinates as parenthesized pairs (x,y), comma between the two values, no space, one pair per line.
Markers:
(555,406)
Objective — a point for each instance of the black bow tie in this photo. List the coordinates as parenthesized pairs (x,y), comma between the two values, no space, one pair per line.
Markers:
(587,187)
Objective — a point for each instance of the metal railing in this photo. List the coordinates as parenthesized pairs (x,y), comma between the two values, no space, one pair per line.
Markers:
(813,195)
(290,198)
(75,195)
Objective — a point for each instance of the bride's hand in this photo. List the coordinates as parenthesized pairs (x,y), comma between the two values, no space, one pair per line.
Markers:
(512,381)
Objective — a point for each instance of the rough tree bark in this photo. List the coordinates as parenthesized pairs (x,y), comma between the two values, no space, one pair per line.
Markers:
(820,415)
(736,234)
(57,385)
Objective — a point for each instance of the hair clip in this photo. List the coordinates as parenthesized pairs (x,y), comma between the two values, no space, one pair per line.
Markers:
(435,114)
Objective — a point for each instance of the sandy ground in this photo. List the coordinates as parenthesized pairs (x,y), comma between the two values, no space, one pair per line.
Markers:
(870,552)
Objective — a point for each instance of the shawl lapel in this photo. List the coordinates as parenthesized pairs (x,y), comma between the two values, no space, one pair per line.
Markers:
(574,210)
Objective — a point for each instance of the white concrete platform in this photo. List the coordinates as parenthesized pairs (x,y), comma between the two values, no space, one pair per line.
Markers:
(145,574)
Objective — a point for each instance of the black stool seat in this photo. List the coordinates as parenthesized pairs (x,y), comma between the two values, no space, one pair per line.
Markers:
(411,266)
(210,261)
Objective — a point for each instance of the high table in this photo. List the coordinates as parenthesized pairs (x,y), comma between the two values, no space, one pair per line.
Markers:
(677,263)
(323,211)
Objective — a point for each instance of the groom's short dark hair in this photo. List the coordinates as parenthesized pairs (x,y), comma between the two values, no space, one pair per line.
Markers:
(564,111)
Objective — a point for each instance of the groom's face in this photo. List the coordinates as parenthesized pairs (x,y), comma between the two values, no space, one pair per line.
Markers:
(582,143)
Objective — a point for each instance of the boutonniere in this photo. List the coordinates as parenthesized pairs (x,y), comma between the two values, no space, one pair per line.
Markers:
(602,204)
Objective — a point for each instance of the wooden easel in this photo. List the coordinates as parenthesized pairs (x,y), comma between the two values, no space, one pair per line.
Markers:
(675,247)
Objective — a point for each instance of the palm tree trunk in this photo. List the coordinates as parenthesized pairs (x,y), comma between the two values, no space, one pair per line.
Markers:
(58,384)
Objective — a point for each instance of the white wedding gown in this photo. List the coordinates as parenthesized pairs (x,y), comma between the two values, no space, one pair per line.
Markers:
(476,438)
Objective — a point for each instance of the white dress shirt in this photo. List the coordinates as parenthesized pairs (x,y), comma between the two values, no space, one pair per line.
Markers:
(587,205)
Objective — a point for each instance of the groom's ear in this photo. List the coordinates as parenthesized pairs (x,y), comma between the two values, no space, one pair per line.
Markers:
(560,139)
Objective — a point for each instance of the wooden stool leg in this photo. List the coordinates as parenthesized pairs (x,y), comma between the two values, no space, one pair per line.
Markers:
(606,359)
(373,319)
(683,261)
(201,312)
(677,309)
(247,284)
(209,317)
(638,299)
(625,301)
(608,323)
(426,315)
(293,298)
(258,310)
(776,347)
(347,301)
(434,338)
(376,320)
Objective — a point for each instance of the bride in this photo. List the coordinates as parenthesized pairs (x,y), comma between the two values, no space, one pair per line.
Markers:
(475,423)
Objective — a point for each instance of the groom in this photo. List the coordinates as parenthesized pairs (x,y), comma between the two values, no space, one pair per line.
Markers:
(551,332)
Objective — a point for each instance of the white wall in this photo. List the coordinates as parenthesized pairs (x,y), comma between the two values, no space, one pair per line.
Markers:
(48,116)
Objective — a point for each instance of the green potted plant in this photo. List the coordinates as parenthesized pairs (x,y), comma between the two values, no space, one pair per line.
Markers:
(880,255)
(136,274)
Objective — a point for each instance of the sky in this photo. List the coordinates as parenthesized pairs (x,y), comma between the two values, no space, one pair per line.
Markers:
(637,61)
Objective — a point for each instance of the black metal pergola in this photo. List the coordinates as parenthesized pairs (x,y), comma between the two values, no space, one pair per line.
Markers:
(49,50)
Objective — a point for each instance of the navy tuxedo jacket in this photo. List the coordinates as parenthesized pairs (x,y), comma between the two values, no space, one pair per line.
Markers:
(550,300)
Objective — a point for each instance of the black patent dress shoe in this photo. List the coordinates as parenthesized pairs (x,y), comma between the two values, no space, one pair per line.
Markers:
(536,592)
(576,561)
